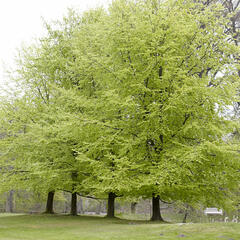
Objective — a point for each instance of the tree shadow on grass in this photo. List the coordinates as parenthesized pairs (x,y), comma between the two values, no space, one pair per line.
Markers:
(44,216)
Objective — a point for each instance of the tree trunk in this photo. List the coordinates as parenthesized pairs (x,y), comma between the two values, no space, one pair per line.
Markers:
(74,195)
(185,217)
(111,208)
(66,206)
(74,204)
(133,207)
(156,214)
(80,206)
(99,207)
(49,206)
(9,202)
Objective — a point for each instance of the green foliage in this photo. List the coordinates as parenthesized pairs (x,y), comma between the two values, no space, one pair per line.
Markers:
(129,100)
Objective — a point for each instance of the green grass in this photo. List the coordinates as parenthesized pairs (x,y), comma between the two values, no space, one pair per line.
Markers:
(60,227)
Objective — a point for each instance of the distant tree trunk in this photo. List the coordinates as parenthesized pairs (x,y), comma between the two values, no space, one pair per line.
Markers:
(104,206)
(185,217)
(49,206)
(99,207)
(186,212)
(74,204)
(133,207)
(9,202)
(111,207)
(86,205)
(66,202)
(80,206)
(156,214)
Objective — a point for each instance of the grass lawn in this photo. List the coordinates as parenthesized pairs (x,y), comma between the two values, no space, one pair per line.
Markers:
(60,227)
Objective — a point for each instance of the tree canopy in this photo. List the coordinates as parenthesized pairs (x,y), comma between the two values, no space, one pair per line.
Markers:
(129,101)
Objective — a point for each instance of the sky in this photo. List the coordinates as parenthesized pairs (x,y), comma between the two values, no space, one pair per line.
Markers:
(21,23)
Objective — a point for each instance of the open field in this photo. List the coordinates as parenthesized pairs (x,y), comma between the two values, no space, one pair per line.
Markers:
(59,227)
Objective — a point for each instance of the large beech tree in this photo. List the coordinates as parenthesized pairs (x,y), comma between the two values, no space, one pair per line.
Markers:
(172,62)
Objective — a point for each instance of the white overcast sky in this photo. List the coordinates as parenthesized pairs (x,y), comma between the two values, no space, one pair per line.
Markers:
(21,22)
